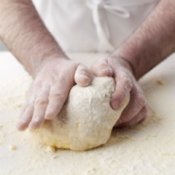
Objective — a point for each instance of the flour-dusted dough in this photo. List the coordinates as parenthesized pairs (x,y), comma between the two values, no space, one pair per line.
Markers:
(86,120)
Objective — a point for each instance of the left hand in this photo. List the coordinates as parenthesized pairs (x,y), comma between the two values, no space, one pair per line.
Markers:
(121,71)
(50,90)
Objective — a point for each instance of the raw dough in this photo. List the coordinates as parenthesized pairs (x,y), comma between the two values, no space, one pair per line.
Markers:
(86,121)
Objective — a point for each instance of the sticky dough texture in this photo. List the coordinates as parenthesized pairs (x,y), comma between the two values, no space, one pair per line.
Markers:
(86,120)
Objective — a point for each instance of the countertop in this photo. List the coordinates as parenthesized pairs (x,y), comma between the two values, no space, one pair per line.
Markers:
(148,148)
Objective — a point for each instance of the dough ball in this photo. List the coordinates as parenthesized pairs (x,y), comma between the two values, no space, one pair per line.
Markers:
(86,120)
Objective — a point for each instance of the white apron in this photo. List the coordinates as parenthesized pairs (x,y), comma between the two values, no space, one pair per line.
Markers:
(93,25)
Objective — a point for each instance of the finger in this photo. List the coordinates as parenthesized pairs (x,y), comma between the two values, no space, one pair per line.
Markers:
(122,90)
(26,117)
(137,119)
(102,68)
(40,106)
(137,102)
(57,98)
(83,76)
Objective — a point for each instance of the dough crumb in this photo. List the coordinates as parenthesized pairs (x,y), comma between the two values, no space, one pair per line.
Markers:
(1,126)
(19,105)
(160,82)
(91,171)
(12,147)
(54,157)
(1,137)
(52,149)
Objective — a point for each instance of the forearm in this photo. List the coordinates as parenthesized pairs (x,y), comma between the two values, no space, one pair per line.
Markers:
(153,41)
(25,35)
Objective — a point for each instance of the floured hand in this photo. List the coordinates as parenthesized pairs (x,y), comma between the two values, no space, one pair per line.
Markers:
(50,90)
(126,83)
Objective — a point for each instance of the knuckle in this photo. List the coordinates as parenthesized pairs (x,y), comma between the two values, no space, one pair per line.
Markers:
(107,71)
(103,66)
(57,95)
(41,102)
(101,63)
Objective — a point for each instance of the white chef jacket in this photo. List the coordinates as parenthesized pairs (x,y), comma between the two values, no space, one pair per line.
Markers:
(93,25)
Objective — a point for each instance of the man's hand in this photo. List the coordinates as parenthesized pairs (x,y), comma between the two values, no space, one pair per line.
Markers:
(150,44)
(126,84)
(50,90)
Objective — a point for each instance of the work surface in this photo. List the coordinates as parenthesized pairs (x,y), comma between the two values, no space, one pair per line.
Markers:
(148,148)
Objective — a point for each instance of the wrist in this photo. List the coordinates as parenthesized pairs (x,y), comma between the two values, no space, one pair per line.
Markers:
(125,63)
(130,56)
(38,65)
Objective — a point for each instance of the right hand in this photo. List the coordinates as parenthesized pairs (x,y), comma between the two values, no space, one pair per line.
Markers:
(118,68)
(50,90)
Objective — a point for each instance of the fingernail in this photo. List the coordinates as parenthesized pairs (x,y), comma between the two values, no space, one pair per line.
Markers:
(84,80)
(114,104)
(34,125)
(50,116)
(107,71)
(19,127)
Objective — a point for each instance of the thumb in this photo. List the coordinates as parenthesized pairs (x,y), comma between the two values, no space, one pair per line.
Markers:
(83,76)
